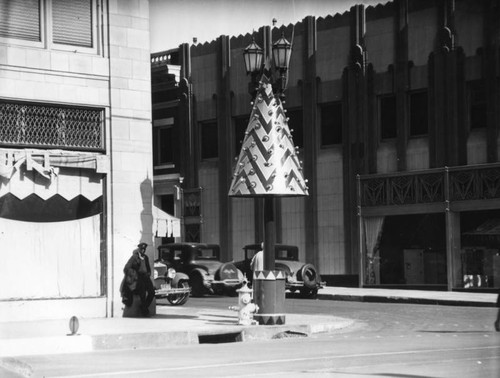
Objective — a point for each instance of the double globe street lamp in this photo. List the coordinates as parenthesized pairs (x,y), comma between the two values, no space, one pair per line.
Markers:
(253,56)
(268,166)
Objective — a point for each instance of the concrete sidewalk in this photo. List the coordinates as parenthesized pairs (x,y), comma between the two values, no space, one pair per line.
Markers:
(180,325)
(171,325)
(451,298)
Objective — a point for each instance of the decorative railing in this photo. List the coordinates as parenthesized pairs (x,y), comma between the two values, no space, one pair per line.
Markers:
(165,57)
(37,125)
(475,183)
(431,186)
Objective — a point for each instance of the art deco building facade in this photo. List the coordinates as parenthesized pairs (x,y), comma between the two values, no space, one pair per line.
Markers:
(396,110)
(75,154)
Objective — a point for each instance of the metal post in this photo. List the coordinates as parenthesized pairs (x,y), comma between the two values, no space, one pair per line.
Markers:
(269,285)
(269,233)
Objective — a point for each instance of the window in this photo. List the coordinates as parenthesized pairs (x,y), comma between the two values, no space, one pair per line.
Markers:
(477,105)
(240,124)
(168,205)
(56,24)
(295,126)
(20,19)
(209,138)
(419,123)
(72,22)
(331,124)
(163,142)
(388,124)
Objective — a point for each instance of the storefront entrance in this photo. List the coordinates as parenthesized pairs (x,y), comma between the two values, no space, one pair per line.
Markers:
(480,242)
(412,251)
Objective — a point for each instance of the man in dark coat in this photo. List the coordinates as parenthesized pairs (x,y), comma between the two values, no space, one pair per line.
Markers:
(137,279)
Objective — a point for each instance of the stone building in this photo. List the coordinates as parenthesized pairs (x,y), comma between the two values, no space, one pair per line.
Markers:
(75,154)
(395,110)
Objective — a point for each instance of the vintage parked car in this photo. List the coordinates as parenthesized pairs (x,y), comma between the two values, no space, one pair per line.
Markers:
(170,284)
(201,262)
(300,276)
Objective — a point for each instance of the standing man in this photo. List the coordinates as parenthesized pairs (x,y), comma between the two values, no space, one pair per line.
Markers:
(257,262)
(138,266)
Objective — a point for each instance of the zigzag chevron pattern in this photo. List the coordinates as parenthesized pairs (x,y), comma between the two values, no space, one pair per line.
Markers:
(267,319)
(270,275)
(268,162)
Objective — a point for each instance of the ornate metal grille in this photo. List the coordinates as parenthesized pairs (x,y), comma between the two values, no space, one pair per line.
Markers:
(402,189)
(23,124)
(465,183)
(475,184)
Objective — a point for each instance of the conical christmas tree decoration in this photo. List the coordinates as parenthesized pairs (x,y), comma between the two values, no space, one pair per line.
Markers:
(268,164)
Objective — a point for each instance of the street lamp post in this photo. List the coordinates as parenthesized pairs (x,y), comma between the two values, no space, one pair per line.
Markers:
(268,167)
(253,64)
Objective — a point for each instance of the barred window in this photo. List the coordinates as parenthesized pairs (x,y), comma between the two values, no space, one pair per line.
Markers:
(56,23)
(40,125)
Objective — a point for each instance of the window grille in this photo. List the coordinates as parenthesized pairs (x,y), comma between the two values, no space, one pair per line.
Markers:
(23,124)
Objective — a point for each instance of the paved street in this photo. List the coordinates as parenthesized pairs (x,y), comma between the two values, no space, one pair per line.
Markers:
(388,340)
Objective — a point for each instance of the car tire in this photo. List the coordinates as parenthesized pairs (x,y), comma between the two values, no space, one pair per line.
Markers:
(308,274)
(179,299)
(197,287)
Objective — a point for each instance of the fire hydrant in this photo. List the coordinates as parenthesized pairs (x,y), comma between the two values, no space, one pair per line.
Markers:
(246,308)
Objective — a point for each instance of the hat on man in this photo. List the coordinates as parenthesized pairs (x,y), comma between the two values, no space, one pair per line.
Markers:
(142,245)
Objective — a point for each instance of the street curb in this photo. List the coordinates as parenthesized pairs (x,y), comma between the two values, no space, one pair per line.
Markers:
(142,340)
(16,366)
(11,348)
(405,300)
(118,341)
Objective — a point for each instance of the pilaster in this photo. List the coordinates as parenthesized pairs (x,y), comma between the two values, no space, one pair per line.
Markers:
(225,141)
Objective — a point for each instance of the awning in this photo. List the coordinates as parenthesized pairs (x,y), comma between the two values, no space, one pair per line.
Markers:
(165,225)
(32,171)
(490,227)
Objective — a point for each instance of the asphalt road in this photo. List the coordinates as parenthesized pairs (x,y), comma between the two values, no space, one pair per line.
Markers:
(388,340)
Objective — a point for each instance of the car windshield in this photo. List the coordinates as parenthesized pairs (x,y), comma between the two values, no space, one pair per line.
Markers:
(285,254)
(282,253)
(203,253)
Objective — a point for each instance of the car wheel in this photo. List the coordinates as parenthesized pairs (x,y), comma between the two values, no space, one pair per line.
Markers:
(197,287)
(179,299)
(309,276)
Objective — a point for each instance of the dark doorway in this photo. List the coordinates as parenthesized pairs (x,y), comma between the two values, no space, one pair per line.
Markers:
(413,250)
(480,249)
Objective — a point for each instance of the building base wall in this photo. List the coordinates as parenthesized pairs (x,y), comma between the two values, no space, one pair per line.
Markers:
(14,311)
